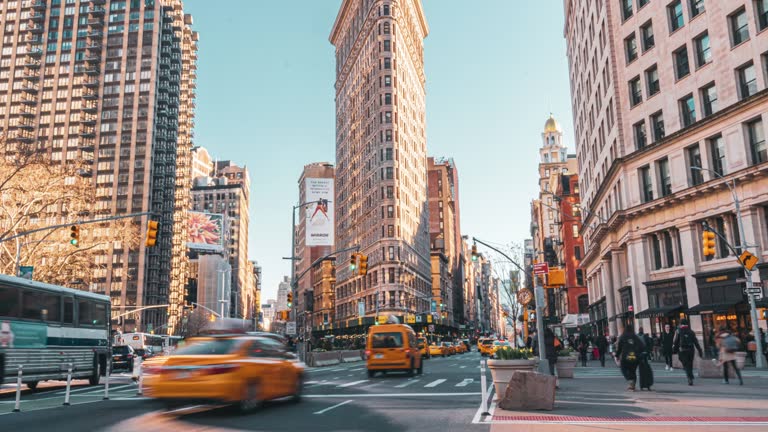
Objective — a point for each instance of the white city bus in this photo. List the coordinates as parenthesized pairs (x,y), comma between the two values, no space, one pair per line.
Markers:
(45,328)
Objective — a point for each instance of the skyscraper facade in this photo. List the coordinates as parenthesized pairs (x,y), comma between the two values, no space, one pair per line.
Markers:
(111,84)
(381,184)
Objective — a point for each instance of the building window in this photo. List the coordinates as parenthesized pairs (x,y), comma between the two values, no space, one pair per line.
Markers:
(682,67)
(626,9)
(387,63)
(694,161)
(657,122)
(635,93)
(665,180)
(386,10)
(641,3)
(668,249)
(747,80)
(577,252)
(387,80)
(575,228)
(739,26)
(392,253)
(641,139)
(762,14)
(757,145)
(579,277)
(687,110)
(652,78)
(717,152)
(676,20)
(647,33)
(387,45)
(709,99)
(697,7)
(630,46)
(646,184)
(656,250)
(703,50)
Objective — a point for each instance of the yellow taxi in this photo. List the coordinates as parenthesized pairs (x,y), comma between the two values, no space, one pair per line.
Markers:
(436,350)
(485,346)
(393,347)
(460,347)
(424,348)
(236,369)
(451,350)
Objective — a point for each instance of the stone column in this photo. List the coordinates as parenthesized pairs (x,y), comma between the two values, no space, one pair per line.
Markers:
(609,290)
(691,244)
(638,273)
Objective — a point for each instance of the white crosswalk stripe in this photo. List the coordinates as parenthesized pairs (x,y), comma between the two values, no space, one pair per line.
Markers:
(436,383)
(350,384)
(465,382)
(407,383)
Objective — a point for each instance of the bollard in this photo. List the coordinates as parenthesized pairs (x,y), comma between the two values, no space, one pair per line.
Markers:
(17,408)
(69,383)
(484,404)
(106,384)
(140,381)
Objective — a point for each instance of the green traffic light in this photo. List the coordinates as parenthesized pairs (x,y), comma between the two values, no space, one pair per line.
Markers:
(73,242)
(474,257)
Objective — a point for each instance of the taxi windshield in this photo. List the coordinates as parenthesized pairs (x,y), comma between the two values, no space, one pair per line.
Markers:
(487,342)
(387,340)
(210,347)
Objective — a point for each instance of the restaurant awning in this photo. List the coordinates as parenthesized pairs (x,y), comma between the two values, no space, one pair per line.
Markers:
(659,311)
(712,307)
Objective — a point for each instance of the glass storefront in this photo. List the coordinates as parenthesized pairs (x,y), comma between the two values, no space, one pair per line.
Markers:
(722,302)
(667,303)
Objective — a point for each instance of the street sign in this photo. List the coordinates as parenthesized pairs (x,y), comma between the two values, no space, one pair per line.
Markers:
(418,318)
(541,269)
(757,284)
(753,291)
(431,327)
(290,328)
(25,272)
(741,280)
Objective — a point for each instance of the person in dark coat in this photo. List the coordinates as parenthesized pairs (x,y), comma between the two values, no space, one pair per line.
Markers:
(667,338)
(582,344)
(684,345)
(602,347)
(549,350)
(628,354)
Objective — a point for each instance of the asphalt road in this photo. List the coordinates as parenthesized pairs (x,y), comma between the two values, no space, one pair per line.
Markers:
(445,398)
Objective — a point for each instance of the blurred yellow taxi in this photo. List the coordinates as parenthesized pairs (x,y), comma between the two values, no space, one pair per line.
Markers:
(485,346)
(449,348)
(424,347)
(436,350)
(235,369)
(460,347)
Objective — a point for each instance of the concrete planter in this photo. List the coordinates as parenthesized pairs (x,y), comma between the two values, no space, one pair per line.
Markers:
(565,366)
(502,370)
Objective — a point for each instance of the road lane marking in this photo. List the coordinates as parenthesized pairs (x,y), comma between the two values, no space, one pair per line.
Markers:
(350,384)
(385,395)
(332,407)
(462,367)
(465,382)
(407,383)
(435,383)
(357,369)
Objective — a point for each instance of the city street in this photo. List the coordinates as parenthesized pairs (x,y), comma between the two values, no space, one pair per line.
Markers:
(446,398)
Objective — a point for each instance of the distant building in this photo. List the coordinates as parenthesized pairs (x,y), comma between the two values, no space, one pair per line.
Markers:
(282,294)
(202,164)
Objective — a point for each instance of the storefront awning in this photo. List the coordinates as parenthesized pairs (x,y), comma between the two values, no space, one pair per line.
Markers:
(714,307)
(659,311)
(575,320)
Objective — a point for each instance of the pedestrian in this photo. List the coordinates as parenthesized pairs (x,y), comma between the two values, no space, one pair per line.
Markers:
(628,355)
(646,373)
(667,339)
(684,345)
(601,343)
(550,349)
(728,345)
(657,347)
(647,342)
(751,347)
(583,345)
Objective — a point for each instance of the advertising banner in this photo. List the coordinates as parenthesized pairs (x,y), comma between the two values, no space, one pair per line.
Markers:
(319,214)
(206,231)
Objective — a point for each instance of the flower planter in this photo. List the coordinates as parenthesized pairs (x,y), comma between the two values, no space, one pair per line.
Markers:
(565,366)
(501,373)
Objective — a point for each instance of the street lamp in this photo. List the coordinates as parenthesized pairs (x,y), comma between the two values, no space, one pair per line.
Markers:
(747,273)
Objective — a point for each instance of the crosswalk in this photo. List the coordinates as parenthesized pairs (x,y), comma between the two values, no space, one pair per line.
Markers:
(398,384)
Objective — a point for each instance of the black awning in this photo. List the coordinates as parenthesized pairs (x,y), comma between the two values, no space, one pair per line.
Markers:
(762,303)
(712,307)
(659,311)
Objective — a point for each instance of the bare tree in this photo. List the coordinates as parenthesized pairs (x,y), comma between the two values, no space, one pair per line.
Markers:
(197,320)
(514,280)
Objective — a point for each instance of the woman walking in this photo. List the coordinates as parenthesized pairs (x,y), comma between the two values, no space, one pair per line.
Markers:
(728,345)
(628,354)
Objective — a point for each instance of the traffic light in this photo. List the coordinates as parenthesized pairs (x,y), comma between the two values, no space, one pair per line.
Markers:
(363,265)
(290,299)
(708,243)
(152,227)
(353,262)
(74,236)
(474,252)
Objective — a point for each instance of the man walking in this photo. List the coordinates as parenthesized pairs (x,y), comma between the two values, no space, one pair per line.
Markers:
(602,346)
(684,344)
(667,339)
(628,354)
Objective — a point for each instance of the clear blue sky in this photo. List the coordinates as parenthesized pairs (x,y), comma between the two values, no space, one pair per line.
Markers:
(265,99)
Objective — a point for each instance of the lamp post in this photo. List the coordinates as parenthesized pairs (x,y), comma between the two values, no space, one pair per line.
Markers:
(747,273)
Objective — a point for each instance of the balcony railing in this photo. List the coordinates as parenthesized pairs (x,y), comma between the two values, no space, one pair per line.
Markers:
(39,5)
(96,10)
(91,107)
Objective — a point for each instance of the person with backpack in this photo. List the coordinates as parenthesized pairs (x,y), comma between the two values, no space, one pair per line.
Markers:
(667,338)
(684,345)
(628,354)
(728,345)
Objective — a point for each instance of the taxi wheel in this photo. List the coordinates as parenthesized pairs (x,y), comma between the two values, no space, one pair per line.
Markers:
(250,399)
(411,369)
(298,390)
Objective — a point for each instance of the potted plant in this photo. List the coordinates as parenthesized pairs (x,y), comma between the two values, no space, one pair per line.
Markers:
(508,360)
(566,362)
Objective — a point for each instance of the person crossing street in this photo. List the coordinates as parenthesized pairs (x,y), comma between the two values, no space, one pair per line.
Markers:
(667,339)
(628,354)
(684,345)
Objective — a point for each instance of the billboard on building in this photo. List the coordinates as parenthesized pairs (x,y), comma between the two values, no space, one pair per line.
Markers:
(319,215)
(206,231)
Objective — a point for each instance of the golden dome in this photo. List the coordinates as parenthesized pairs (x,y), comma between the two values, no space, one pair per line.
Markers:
(551,125)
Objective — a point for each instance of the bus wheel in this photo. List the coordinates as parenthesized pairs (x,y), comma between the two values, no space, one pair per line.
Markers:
(32,385)
(96,374)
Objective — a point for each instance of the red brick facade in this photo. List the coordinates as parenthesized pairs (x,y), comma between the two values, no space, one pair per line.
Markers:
(572,248)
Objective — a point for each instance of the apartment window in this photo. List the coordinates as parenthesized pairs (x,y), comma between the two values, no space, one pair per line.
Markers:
(387,45)
(579,277)
(635,93)
(387,63)
(676,20)
(687,110)
(657,122)
(387,80)
(703,51)
(641,3)
(652,78)
(668,249)
(641,138)
(646,184)
(694,162)
(757,141)
(665,186)
(575,228)
(739,27)
(577,252)
(697,7)
(682,67)
(762,14)
(709,99)
(717,152)
(646,32)
(656,250)
(630,46)
(626,9)
(747,80)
